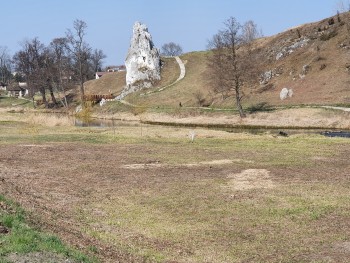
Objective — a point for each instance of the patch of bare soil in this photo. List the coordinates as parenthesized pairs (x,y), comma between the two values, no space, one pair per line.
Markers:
(197,164)
(343,247)
(251,179)
(218,162)
(142,165)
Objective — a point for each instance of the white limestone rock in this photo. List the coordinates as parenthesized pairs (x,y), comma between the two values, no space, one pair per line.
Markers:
(142,61)
(286,51)
(286,93)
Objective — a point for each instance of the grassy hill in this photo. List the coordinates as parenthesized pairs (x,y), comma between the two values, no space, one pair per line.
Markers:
(323,51)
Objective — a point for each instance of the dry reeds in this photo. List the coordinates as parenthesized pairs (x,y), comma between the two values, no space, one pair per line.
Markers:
(50,120)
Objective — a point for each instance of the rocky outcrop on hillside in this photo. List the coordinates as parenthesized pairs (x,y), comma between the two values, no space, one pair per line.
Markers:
(142,61)
(287,50)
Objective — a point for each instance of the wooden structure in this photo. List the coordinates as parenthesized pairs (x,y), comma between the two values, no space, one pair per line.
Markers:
(97,98)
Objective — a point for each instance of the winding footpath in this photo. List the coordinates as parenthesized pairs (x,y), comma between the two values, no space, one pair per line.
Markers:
(337,108)
(181,76)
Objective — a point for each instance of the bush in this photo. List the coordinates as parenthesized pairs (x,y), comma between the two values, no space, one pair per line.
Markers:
(260,107)
(328,36)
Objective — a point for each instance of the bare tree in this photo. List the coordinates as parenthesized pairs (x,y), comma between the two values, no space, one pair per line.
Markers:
(171,49)
(342,6)
(5,65)
(80,51)
(32,61)
(229,68)
(250,32)
(97,58)
(48,73)
(216,65)
(61,66)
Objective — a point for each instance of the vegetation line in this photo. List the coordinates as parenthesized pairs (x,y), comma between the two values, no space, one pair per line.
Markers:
(240,126)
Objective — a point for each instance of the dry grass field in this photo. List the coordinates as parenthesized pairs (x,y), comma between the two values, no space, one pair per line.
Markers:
(135,192)
(139,193)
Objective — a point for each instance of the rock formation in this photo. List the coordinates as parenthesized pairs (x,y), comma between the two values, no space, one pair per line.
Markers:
(142,61)
(286,51)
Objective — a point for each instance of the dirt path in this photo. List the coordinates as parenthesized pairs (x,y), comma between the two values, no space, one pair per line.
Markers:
(181,76)
(337,108)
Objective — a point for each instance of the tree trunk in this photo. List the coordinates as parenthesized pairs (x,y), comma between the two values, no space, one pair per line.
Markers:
(52,95)
(65,103)
(238,101)
(43,94)
(82,91)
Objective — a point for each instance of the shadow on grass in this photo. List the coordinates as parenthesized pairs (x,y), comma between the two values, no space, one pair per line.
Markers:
(260,107)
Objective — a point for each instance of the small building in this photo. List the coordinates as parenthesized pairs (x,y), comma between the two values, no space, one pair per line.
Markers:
(3,86)
(100,74)
(110,69)
(15,90)
(116,68)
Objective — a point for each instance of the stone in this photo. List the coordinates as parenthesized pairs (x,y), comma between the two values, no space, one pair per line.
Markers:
(305,69)
(78,109)
(103,102)
(266,77)
(142,62)
(286,93)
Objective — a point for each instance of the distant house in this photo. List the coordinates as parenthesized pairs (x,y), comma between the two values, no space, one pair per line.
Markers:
(116,68)
(100,74)
(113,68)
(3,86)
(110,69)
(18,90)
(23,85)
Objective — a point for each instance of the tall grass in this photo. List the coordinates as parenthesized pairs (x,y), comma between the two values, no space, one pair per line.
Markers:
(50,120)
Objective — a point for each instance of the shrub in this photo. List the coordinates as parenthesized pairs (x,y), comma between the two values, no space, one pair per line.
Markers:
(328,36)
(331,21)
(262,106)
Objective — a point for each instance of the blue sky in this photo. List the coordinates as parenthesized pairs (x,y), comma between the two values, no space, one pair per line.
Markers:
(189,23)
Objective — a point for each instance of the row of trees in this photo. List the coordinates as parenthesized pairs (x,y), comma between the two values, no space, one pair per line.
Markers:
(65,61)
(229,68)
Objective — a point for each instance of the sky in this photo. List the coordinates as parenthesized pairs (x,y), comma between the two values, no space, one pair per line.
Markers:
(189,23)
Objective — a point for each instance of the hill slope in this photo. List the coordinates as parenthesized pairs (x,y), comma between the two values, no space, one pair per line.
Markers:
(311,59)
